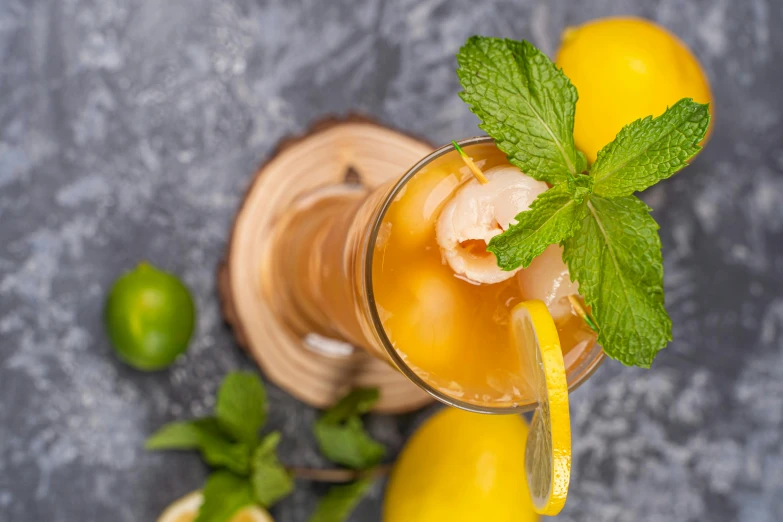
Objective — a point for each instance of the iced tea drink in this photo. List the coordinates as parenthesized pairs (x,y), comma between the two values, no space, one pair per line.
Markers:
(443,301)
(354,266)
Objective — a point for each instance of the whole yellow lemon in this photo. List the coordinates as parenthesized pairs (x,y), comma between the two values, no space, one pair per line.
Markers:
(462,466)
(625,69)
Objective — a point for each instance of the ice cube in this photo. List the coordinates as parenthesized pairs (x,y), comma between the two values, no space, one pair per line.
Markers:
(428,318)
(414,214)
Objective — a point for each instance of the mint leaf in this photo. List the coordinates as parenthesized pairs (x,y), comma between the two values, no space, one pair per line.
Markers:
(224,495)
(553,217)
(175,436)
(241,406)
(357,402)
(341,435)
(616,257)
(340,501)
(581,162)
(205,435)
(524,102)
(650,149)
(348,444)
(219,453)
(271,482)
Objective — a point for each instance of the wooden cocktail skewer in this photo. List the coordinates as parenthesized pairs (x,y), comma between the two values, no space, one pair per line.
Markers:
(581,312)
(472,166)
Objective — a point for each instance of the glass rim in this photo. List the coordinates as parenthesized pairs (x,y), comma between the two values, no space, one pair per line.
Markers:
(592,364)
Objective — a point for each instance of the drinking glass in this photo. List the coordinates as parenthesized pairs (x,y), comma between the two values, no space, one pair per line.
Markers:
(317,277)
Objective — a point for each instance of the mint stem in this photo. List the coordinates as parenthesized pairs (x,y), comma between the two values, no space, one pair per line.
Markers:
(338,475)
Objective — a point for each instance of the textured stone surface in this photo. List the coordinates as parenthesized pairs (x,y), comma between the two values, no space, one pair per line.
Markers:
(129,129)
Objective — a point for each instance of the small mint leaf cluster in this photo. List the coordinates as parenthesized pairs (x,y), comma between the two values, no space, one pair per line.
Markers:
(246,467)
(342,439)
(610,242)
(247,470)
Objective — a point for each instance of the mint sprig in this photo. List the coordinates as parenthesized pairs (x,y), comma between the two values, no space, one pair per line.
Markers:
(341,435)
(247,468)
(342,439)
(610,242)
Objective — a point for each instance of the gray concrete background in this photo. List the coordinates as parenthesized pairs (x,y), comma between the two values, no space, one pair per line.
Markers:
(129,130)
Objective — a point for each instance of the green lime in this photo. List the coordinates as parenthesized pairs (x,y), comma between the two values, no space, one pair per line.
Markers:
(149,317)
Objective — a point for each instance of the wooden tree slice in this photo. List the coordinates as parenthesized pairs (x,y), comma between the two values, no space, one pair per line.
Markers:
(350,150)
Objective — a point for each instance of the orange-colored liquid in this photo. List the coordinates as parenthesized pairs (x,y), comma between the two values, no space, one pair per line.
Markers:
(454,333)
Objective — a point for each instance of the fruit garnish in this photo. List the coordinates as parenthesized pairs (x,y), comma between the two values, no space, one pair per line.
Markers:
(463,231)
(149,317)
(610,241)
(625,69)
(548,451)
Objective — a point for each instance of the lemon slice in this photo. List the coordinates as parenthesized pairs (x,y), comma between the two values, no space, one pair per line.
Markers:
(548,450)
(186,510)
